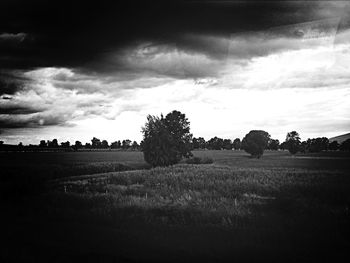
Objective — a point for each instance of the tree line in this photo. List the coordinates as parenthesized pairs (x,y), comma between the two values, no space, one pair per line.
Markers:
(166,140)
(78,145)
(292,143)
(310,145)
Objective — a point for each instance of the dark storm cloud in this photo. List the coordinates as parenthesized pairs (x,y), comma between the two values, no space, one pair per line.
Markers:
(31,121)
(78,33)
(13,109)
(10,83)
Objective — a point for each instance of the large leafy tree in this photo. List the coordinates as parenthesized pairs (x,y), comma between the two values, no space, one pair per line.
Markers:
(255,142)
(292,142)
(166,140)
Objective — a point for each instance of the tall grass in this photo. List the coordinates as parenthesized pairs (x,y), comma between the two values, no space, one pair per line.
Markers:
(208,194)
(238,209)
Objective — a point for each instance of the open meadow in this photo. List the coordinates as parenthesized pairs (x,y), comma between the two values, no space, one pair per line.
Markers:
(112,207)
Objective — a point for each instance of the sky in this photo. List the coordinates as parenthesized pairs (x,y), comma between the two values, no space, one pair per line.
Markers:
(77,70)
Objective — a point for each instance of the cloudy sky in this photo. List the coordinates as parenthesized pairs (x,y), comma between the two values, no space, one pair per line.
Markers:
(72,71)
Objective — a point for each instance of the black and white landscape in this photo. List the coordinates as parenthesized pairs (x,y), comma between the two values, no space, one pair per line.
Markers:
(175,131)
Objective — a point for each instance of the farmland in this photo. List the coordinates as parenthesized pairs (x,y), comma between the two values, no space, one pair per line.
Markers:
(111,206)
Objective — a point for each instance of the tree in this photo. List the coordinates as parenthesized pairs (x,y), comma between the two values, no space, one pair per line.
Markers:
(345,146)
(195,143)
(333,146)
(237,144)
(95,143)
(53,143)
(283,146)
(77,145)
(292,142)
(318,144)
(255,142)
(65,144)
(116,145)
(198,143)
(135,145)
(126,144)
(201,142)
(273,144)
(87,145)
(42,143)
(227,144)
(104,144)
(166,140)
(215,143)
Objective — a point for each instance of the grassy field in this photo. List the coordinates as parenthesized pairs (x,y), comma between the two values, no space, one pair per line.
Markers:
(101,207)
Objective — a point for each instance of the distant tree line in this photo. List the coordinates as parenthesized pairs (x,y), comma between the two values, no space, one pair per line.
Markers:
(166,140)
(55,145)
(292,143)
(217,143)
(320,144)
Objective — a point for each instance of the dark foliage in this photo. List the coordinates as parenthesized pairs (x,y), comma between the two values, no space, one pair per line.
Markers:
(255,142)
(215,143)
(273,144)
(227,144)
(333,146)
(116,145)
(237,144)
(198,143)
(345,146)
(77,145)
(166,140)
(292,142)
(317,144)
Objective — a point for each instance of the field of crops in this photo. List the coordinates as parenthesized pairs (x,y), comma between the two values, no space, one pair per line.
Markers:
(102,207)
